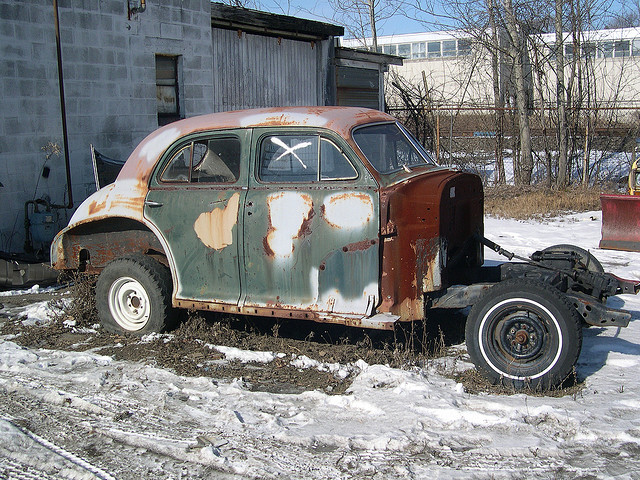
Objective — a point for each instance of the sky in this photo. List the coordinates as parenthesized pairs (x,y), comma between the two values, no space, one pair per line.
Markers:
(321,11)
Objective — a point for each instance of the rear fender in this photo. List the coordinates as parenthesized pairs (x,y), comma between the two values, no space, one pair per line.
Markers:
(89,247)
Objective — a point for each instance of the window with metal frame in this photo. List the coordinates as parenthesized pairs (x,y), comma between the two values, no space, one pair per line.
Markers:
(167,89)
(215,160)
(621,48)
(433,49)
(302,158)
(448,48)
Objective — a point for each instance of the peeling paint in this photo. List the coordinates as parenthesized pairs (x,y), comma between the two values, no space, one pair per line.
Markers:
(332,299)
(288,213)
(215,228)
(348,210)
(301,117)
(121,199)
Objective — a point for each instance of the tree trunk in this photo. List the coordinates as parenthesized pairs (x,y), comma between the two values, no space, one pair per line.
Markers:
(517,47)
(498,100)
(372,23)
(561,98)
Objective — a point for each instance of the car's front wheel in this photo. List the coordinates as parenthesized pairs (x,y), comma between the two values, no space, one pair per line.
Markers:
(133,295)
(524,333)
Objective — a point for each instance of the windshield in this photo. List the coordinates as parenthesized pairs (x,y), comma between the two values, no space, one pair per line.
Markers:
(389,147)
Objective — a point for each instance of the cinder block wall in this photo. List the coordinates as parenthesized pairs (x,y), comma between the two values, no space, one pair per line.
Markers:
(110,87)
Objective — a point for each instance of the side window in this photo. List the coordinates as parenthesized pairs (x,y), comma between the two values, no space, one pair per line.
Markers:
(289,158)
(333,163)
(177,170)
(299,158)
(216,161)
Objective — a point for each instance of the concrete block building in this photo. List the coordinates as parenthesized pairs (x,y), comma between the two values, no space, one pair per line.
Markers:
(129,66)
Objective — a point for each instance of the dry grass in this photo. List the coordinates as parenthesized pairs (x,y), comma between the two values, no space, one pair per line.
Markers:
(532,202)
(82,307)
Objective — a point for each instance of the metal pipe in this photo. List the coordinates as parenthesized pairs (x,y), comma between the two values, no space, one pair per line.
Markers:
(135,10)
(63,110)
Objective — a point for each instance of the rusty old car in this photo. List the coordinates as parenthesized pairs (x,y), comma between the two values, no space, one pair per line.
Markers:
(330,214)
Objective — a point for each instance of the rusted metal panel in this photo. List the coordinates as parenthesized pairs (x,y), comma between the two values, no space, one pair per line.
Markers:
(312,256)
(91,251)
(620,222)
(201,228)
(380,322)
(597,314)
(428,219)
(312,246)
(200,222)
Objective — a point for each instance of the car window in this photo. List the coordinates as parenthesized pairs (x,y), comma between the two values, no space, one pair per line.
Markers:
(214,160)
(289,158)
(334,165)
(177,170)
(302,158)
(389,147)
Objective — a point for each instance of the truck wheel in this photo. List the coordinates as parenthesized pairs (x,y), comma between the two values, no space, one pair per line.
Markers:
(587,259)
(133,295)
(524,333)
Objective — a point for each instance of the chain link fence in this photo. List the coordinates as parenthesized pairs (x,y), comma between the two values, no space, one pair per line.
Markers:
(486,139)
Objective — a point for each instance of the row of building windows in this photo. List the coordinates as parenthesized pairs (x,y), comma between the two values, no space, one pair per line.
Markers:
(462,47)
(432,49)
(603,49)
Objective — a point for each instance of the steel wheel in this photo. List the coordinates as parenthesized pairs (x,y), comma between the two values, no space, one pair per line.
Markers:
(129,304)
(522,336)
(524,333)
(133,295)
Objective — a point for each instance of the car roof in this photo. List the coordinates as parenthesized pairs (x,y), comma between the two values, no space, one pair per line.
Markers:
(339,119)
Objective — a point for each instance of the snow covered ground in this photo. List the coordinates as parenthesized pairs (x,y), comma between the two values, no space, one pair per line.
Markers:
(113,419)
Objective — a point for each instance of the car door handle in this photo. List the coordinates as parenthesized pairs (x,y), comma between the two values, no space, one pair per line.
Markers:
(152,204)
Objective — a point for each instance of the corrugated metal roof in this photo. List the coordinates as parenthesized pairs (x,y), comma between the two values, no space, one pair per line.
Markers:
(264,23)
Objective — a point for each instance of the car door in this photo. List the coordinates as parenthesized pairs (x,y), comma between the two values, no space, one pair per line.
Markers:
(195,199)
(311,225)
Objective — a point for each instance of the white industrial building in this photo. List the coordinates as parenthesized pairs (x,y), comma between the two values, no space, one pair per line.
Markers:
(457,70)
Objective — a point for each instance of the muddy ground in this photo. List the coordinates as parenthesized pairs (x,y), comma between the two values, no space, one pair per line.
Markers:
(185,350)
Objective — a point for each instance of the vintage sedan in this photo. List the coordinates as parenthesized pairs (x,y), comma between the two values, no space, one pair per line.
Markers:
(331,214)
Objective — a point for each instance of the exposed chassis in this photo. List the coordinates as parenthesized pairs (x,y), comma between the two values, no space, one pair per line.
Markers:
(587,290)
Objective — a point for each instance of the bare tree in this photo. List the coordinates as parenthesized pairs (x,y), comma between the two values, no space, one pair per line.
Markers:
(361,18)
(502,28)
(628,16)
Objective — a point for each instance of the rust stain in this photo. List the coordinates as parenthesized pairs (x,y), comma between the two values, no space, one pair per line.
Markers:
(215,228)
(305,228)
(95,207)
(265,242)
(281,120)
(359,246)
